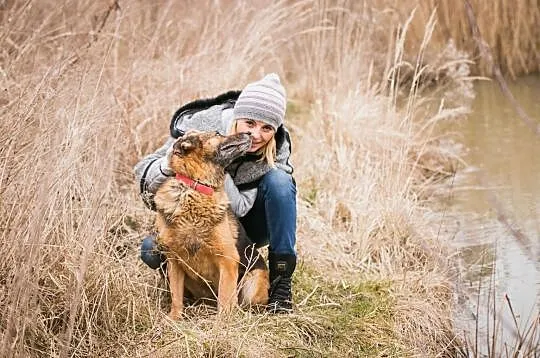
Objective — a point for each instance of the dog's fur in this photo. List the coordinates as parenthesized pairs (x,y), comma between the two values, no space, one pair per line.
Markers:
(208,252)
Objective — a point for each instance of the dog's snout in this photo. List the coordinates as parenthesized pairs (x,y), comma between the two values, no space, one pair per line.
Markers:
(247,136)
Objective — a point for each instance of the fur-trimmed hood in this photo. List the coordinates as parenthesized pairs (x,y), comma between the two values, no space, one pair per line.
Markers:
(227,99)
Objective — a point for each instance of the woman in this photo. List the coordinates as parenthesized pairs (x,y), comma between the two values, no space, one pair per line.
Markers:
(260,185)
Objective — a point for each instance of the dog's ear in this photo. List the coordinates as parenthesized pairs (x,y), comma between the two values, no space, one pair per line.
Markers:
(186,146)
(183,146)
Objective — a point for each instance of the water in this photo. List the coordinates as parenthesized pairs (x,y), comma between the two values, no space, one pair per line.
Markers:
(496,211)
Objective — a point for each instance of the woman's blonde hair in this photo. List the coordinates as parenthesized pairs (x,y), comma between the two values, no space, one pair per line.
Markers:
(268,151)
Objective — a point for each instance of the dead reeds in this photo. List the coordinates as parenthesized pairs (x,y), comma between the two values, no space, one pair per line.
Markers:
(88,88)
(508,28)
(497,330)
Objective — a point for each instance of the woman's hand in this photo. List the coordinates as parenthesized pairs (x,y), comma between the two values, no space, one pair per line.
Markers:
(165,165)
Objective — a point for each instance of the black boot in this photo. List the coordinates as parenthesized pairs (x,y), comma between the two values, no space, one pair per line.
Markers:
(281,269)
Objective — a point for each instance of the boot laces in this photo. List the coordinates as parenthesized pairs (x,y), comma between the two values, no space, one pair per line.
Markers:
(280,289)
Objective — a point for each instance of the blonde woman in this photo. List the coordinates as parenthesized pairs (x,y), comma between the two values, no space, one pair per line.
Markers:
(260,185)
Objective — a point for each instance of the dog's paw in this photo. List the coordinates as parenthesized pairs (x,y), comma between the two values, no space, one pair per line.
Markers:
(175,315)
(228,310)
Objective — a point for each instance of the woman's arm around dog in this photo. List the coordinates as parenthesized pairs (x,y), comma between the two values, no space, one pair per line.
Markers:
(152,171)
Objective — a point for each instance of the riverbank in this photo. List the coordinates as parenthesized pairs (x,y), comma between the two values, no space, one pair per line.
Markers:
(492,219)
(92,92)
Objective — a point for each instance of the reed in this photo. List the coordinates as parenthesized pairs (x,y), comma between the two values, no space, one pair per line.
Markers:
(509,28)
(496,330)
(88,87)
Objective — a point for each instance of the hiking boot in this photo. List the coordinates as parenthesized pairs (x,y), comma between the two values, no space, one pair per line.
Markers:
(281,269)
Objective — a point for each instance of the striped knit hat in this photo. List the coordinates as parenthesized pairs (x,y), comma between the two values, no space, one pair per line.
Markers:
(264,100)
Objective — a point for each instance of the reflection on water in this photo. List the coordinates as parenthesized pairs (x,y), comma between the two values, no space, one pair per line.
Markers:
(478,261)
(497,201)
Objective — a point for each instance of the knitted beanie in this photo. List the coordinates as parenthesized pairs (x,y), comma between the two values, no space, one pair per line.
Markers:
(263,100)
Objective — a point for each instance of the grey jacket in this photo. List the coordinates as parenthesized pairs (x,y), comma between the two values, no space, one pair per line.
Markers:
(243,175)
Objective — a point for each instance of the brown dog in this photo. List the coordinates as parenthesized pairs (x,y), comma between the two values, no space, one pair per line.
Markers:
(207,249)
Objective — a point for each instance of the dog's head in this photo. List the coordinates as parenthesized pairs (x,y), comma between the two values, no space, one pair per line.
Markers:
(203,155)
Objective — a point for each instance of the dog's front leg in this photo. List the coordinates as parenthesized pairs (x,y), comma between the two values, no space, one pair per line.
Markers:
(228,277)
(176,283)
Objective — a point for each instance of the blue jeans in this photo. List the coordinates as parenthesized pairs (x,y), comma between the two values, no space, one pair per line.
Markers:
(271,220)
(150,254)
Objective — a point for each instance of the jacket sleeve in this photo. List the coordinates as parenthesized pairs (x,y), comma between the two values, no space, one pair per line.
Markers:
(283,155)
(241,201)
(150,175)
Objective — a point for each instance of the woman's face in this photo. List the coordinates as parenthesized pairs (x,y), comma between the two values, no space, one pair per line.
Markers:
(261,133)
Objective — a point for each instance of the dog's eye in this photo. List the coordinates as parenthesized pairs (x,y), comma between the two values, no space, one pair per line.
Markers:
(218,134)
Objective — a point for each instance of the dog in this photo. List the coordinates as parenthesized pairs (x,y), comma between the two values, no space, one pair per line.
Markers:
(208,252)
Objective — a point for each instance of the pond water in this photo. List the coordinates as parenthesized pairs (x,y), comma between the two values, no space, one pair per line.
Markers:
(495,213)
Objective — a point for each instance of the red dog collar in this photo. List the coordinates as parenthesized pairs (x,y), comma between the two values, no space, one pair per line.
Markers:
(195,185)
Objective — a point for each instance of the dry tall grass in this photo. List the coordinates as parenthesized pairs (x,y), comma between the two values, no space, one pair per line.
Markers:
(509,28)
(88,88)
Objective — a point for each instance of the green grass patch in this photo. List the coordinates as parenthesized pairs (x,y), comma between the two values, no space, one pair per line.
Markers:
(346,318)
(331,319)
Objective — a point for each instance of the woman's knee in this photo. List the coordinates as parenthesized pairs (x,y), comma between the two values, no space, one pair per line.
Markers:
(278,182)
(150,253)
